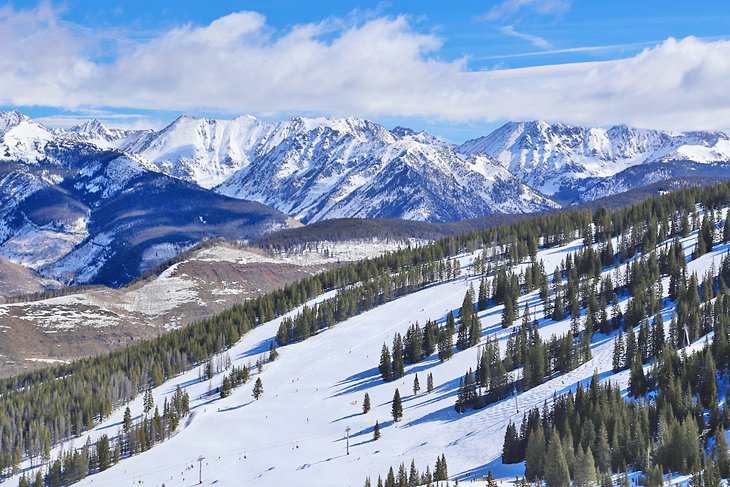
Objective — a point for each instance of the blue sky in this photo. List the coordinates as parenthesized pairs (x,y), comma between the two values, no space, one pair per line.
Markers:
(457,69)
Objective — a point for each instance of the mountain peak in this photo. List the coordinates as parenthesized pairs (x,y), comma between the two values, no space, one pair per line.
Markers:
(90,127)
(10,119)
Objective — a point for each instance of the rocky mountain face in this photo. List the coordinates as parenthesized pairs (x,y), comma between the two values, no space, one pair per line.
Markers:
(577,163)
(79,213)
(94,204)
(315,169)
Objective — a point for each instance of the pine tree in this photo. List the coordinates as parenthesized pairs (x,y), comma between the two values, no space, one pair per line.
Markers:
(398,365)
(535,454)
(556,466)
(366,404)
(413,477)
(127,421)
(416,386)
(630,348)
(483,300)
(585,469)
(558,308)
(602,451)
(726,231)
(385,364)
(148,401)
(637,381)
(397,407)
(657,335)
(508,314)
(722,456)
(273,354)
(429,383)
(441,471)
(258,389)
(445,345)
(618,353)
(376,431)
(510,447)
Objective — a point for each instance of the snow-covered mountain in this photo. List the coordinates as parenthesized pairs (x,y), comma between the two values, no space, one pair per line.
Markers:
(563,161)
(54,183)
(95,132)
(22,138)
(79,213)
(324,168)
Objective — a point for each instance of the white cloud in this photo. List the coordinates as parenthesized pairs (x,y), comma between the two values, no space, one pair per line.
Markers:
(507,8)
(536,41)
(377,68)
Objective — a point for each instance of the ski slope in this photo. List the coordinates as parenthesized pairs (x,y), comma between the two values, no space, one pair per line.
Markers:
(295,434)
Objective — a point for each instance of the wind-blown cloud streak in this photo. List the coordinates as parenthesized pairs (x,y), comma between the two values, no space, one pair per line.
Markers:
(536,41)
(380,67)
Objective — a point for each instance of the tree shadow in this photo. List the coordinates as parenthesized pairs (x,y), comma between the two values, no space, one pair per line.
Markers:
(496,467)
(343,418)
(358,382)
(185,385)
(233,408)
(261,347)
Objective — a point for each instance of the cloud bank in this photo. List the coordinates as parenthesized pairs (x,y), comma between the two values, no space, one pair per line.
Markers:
(380,67)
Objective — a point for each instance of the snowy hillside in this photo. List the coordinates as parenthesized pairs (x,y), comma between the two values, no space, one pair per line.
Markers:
(313,391)
(555,158)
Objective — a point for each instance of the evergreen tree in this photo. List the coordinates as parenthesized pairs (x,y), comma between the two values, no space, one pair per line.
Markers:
(441,471)
(397,407)
(602,451)
(721,454)
(413,477)
(416,386)
(273,354)
(618,353)
(398,365)
(385,364)
(483,300)
(148,401)
(637,381)
(508,314)
(630,348)
(511,445)
(556,467)
(258,389)
(429,383)
(376,431)
(585,469)
(535,454)
(445,345)
(657,335)
(366,404)
(558,308)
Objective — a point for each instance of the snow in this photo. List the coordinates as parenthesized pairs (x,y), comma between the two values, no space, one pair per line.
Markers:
(313,391)
(545,156)
(35,246)
(47,360)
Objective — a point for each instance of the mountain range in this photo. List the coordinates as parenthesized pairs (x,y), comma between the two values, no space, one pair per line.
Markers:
(92,204)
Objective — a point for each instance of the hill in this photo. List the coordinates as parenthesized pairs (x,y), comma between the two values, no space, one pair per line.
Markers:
(552,298)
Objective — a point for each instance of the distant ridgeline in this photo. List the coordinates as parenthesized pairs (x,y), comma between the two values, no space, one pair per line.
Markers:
(48,406)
